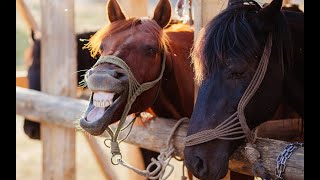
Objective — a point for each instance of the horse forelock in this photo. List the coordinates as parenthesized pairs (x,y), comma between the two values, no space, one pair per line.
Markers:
(145,24)
(229,37)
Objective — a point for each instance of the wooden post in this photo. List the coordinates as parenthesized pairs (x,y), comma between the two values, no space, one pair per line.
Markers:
(286,2)
(58,77)
(101,158)
(136,8)
(204,11)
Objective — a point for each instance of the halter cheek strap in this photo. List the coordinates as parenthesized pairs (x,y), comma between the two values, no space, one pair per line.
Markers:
(230,127)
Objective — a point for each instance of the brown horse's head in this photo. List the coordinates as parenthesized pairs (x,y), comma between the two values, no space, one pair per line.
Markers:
(141,43)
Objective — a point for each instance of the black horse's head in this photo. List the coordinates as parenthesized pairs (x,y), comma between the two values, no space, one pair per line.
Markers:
(226,56)
(32,58)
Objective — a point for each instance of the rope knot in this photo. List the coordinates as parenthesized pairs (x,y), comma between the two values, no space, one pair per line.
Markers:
(161,164)
(252,154)
(115,150)
(166,153)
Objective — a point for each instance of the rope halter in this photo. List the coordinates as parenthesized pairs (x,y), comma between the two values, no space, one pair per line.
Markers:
(230,126)
(135,89)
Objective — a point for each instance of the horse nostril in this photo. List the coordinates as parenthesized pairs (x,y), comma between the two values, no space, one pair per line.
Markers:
(113,73)
(199,165)
(88,73)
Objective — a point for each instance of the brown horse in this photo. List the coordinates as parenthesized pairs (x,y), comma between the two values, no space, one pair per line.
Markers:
(142,43)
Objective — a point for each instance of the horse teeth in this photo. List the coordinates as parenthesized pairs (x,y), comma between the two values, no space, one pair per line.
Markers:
(102,99)
(105,103)
(102,103)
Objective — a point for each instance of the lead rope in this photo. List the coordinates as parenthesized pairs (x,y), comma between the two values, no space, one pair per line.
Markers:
(231,127)
(135,89)
(162,161)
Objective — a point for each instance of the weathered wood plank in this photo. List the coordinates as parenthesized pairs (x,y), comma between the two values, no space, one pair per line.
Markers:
(204,11)
(65,111)
(58,64)
(286,2)
(285,129)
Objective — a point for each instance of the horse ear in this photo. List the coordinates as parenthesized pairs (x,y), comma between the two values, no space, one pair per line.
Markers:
(114,11)
(162,13)
(266,16)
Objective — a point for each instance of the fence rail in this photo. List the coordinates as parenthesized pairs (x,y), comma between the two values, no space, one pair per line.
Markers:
(64,111)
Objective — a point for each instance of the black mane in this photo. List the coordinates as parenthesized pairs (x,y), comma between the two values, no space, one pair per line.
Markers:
(230,36)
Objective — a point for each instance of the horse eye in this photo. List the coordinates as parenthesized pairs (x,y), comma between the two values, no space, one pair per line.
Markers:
(101,47)
(150,50)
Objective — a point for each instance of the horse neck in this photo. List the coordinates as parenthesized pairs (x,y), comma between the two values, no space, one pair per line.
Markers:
(294,87)
(294,78)
(176,93)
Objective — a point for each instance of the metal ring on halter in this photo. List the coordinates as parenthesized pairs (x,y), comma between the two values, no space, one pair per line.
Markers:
(104,142)
(154,163)
(117,157)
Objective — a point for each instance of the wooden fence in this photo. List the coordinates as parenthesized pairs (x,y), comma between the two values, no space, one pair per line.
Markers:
(64,111)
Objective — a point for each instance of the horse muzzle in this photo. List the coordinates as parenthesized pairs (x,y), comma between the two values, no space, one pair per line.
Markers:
(109,91)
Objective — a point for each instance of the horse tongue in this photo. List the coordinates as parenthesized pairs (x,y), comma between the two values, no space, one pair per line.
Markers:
(95,114)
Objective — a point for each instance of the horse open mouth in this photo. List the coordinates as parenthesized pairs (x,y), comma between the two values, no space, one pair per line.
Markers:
(100,111)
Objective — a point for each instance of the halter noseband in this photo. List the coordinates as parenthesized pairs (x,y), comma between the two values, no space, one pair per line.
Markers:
(135,89)
(230,126)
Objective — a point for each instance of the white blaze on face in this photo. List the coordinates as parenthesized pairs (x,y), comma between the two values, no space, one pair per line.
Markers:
(101,100)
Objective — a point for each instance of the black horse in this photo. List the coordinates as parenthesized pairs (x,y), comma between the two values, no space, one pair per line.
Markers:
(226,56)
